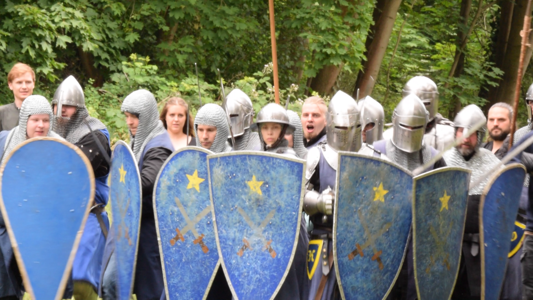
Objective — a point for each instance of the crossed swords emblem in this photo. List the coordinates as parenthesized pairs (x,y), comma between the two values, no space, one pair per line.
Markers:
(258,232)
(441,248)
(122,211)
(190,226)
(370,242)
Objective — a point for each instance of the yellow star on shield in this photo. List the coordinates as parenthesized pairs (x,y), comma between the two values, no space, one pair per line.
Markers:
(122,174)
(444,201)
(255,185)
(194,181)
(380,193)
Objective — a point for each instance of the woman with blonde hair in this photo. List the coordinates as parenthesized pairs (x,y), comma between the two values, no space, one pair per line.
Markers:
(175,119)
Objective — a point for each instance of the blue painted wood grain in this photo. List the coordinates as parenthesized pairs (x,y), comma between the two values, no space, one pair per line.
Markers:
(189,257)
(46,190)
(126,208)
(360,218)
(498,213)
(439,210)
(255,274)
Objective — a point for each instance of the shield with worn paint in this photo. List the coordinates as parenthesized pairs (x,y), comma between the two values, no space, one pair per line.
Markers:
(497,215)
(257,199)
(439,212)
(47,187)
(185,224)
(125,195)
(372,219)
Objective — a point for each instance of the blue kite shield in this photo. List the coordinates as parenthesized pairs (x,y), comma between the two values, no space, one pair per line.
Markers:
(47,188)
(185,224)
(439,212)
(125,195)
(372,219)
(257,198)
(497,214)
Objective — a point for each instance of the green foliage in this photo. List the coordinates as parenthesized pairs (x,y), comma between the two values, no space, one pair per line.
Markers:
(104,102)
(427,47)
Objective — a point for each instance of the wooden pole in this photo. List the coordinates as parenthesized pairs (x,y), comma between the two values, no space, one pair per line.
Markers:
(274,51)
(525,39)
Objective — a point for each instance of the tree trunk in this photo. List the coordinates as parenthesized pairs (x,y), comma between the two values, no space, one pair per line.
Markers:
(325,79)
(87,62)
(466,5)
(378,10)
(327,76)
(377,48)
(509,59)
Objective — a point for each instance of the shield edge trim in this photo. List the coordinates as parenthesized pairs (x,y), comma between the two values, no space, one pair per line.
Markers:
(302,193)
(486,190)
(66,273)
(519,245)
(167,161)
(122,143)
(413,222)
(335,260)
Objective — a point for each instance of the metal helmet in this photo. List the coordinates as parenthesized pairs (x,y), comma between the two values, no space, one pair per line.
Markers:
(409,122)
(343,129)
(372,112)
(425,89)
(468,117)
(70,93)
(240,110)
(273,113)
(529,97)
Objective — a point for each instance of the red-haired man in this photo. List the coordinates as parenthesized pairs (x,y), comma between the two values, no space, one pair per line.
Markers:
(21,80)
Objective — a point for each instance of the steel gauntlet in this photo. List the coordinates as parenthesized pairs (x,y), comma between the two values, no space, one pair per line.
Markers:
(319,203)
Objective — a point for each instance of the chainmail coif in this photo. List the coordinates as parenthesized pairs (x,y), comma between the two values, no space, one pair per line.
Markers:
(76,128)
(249,140)
(298,134)
(143,104)
(33,105)
(213,115)
(410,161)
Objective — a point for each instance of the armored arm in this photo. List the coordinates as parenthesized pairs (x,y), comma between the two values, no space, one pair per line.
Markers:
(319,203)
(313,157)
(527,161)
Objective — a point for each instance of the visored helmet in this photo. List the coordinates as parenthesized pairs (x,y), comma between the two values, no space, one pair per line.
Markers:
(240,110)
(69,93)
(273,113)
(372,113)
(343,129)
(425,89)
(409,121)
(467,118)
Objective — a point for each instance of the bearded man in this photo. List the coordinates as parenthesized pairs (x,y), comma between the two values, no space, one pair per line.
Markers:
(499,127)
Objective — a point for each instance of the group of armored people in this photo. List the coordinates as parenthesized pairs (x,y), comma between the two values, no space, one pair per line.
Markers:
(417,135)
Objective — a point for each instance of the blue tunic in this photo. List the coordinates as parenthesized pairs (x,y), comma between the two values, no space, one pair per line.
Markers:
(148,274)
(87,265)
(327,178)
(10,280)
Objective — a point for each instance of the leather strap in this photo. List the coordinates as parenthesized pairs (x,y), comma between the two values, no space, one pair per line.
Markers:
(98,210)
(323,281)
